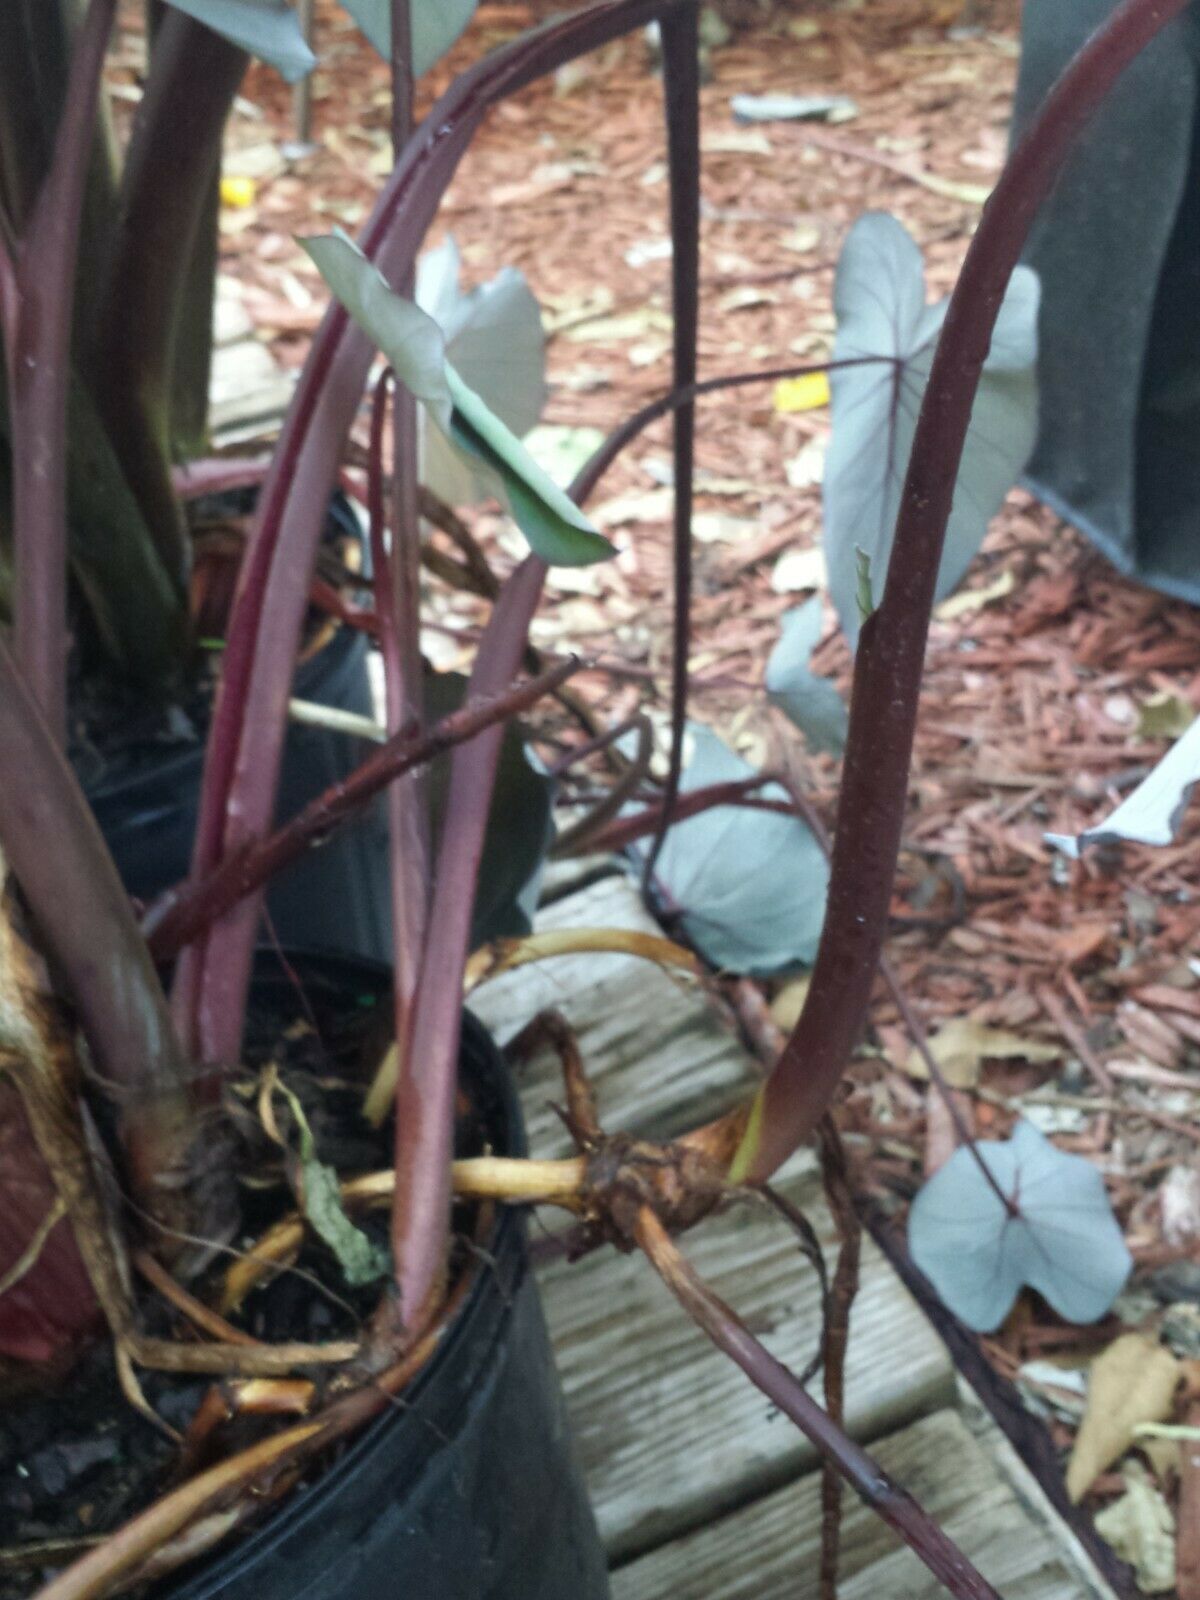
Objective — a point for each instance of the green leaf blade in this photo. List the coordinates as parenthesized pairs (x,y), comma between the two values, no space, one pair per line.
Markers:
(554,526)
(436,25)
(268,29)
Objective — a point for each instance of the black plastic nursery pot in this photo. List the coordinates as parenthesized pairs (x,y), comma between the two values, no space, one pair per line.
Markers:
(469,1488)
(334,898)
(1117,249)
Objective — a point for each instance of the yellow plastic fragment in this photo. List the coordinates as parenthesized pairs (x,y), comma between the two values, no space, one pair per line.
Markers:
(807,393)
(238,192)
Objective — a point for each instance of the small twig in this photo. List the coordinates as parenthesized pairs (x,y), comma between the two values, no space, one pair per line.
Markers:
(1076,1038)
(551,1029)
(197,1313)
(624,831)
(239,1360)
(448,521)
(969,194)
(28,1259)
(575,838)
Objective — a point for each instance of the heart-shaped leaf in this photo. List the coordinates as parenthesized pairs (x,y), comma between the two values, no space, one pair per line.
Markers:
(812,703)
(749,885)
(269,29)
(1063,1240)
(879,298)
(555,527)
(494,341)
(1153,812)
(435,25)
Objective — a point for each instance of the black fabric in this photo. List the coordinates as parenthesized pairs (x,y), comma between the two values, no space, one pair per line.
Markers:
(1117,248)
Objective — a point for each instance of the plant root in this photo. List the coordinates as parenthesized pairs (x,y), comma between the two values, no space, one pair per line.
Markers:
(506,955)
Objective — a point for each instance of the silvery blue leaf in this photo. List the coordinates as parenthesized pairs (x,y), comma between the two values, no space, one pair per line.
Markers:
(1065,1241)
(268,29)
(750,884)
(435,25)
(1153,812)
(879,298)
(812,703)
(495,342)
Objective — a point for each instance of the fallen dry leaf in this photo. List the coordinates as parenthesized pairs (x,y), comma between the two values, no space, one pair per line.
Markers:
(962,1046)
(1141,1529)
(1164,716)
(809,392)
(962,604)
(1133,1381)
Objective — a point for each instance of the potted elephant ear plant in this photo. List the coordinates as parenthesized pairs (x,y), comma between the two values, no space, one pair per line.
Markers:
(172,1102)
(305,1343)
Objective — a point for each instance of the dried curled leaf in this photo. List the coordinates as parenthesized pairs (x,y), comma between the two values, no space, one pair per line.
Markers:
(1141,1529)
(362,1261)
(962,1046)
(1132,1382)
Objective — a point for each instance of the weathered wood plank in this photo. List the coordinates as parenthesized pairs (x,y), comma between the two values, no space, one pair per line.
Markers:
(248,393)
(670,1432)
(769,1550)
(660,1055)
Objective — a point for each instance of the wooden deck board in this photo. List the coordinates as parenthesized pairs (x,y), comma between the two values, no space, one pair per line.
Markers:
(769,1550)
(248,391)
(670,1432)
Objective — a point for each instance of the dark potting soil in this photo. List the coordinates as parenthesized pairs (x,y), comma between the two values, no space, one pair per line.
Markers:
(77,1461)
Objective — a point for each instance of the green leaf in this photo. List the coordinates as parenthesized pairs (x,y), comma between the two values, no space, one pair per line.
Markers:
(362,1261)
(496,344)
(554,526)
(269,29)
(435,24)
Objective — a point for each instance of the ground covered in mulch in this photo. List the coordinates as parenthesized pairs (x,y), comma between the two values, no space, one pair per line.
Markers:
(1034,714)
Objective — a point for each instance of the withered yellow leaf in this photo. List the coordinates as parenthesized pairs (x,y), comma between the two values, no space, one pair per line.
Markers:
(1133,1381)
